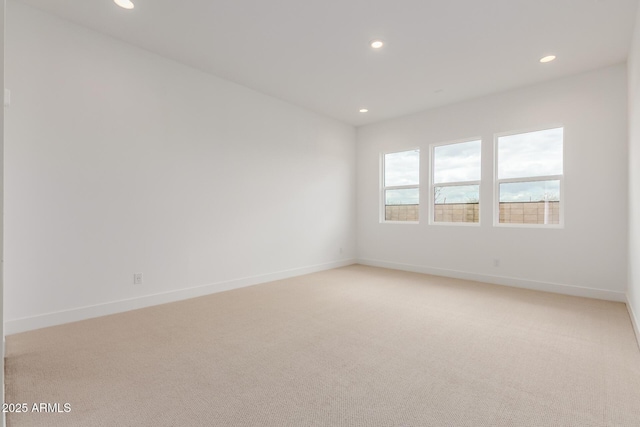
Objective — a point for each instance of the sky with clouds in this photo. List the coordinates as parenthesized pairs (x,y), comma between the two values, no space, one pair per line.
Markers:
(531,154)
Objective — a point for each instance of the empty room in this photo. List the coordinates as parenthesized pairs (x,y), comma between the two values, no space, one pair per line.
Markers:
(356,213)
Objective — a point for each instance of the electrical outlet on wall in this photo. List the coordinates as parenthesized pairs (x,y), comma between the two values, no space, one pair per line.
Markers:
(137,278)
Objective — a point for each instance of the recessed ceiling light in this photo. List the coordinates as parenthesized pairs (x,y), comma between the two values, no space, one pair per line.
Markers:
(364,110)
(125,4)
(548,58)
(376,44)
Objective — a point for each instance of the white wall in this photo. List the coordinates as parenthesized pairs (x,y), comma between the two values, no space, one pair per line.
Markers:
(2,32)
(633,291)
(587,257)
(119,161)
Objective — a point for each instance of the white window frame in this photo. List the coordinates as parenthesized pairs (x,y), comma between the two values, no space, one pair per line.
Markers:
(433,185)
(497,181)
(383,189)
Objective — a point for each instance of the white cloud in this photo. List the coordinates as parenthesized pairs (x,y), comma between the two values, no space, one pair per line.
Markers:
(402,168)
(530,191)
(457,194)
(530,154)
(409,196)
(457,162)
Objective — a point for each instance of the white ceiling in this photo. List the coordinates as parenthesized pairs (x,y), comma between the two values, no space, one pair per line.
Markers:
(316,54)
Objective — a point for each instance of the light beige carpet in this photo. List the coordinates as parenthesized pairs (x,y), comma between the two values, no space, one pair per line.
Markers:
(356,346)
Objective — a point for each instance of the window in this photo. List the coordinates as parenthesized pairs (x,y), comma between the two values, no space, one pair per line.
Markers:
(401,184)
(529,177)
(456,182)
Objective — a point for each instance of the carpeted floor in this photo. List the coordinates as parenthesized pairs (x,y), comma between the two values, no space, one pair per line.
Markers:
(355,346)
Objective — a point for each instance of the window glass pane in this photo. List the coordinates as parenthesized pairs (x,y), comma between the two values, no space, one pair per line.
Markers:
(456,162)
(402,168)
(406,196)
(401,205)
(532,191)
(536,202)
(456,194)
(530,154)
(459,203)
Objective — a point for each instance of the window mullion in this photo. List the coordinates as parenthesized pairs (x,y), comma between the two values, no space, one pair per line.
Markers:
(456,183)
(401,187)
(530,179)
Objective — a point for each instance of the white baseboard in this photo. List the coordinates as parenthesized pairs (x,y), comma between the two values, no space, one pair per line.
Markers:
(82,313)
(502,280)
(635,322)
